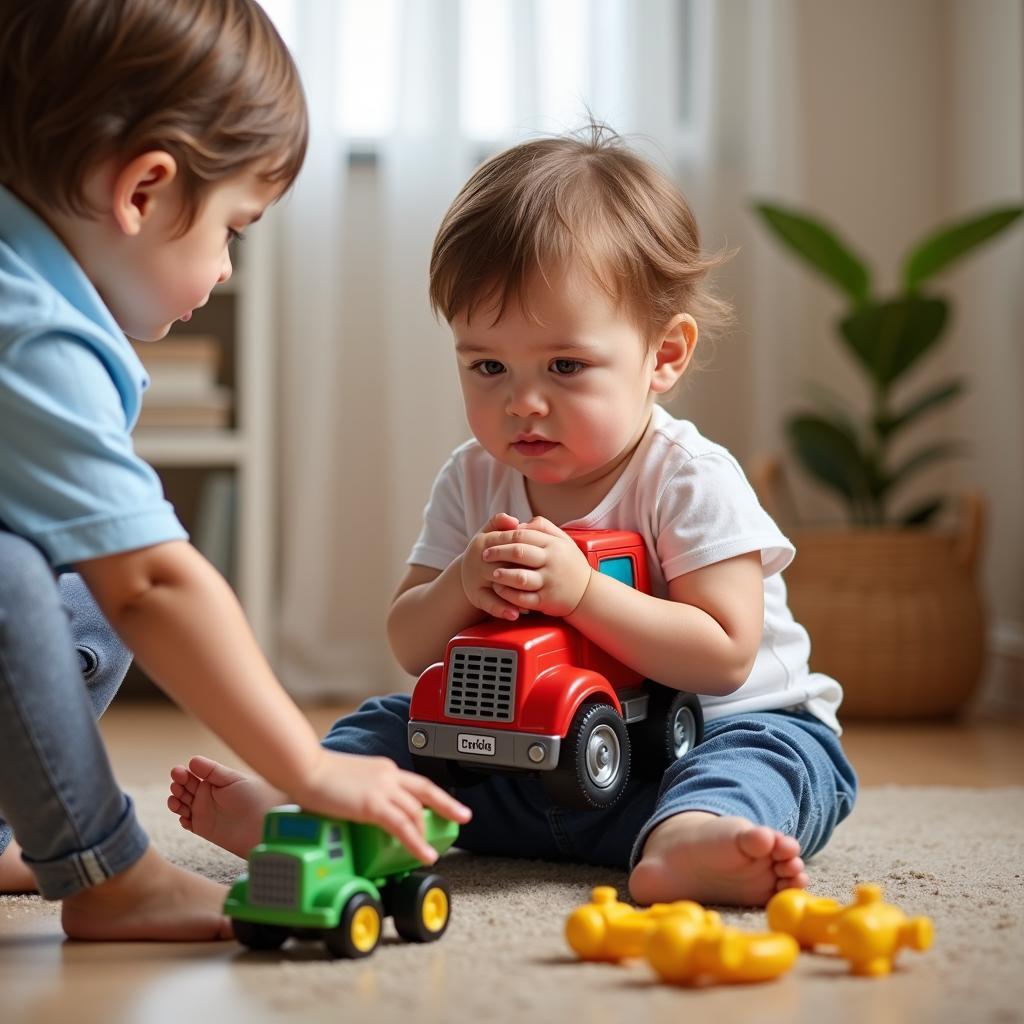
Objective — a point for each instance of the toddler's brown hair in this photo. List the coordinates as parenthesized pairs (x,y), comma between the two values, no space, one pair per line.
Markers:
(208,81)
(581,197)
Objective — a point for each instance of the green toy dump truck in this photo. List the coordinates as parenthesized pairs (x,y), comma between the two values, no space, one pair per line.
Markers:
(335,881)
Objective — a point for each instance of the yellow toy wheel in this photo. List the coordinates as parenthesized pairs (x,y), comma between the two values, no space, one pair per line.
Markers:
(421,907)
(358,932)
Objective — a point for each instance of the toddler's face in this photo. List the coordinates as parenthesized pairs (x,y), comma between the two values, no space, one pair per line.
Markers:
(560,395)
(170,276)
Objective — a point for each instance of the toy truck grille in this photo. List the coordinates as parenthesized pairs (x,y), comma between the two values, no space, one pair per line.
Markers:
(274,880)
(481,684)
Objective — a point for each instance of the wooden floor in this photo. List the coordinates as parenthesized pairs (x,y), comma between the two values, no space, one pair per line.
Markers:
(43,979)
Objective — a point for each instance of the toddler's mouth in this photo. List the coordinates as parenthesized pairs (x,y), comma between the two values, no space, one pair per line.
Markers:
(184,318)
(538,446)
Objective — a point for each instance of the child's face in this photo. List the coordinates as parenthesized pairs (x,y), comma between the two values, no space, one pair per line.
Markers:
(562,395)
(166,276)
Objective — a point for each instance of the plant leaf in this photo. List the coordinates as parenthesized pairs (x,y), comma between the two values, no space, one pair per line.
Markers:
(889,337)
(921,514)
(917,461)
(820,247)
(950,243)
(937,396)
(832,455)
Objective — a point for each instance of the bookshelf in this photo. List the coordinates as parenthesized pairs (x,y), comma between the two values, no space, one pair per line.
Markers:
(221,478)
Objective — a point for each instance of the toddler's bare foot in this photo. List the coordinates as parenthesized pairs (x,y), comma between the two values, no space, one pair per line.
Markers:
(15,874)
(152,900)
(718,860)
(221,804)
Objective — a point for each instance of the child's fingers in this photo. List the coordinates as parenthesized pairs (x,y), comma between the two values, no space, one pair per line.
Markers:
(404,829)
(501,521)
(518,579)
(517,553)
(489,602)
(526,600)
(432,796)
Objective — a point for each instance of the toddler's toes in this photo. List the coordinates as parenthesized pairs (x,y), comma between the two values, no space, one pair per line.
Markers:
(786,847)
(789,868)
(756,842)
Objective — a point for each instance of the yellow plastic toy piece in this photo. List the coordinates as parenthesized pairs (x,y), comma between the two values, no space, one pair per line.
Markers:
(811,920)
(608,929)
(682,941)
(683,952)
(869,933)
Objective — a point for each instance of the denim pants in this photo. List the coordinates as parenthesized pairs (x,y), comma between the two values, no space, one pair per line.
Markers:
(782,769)
(60,666)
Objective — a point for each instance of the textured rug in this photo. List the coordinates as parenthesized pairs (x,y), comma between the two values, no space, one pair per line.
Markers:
(956,855)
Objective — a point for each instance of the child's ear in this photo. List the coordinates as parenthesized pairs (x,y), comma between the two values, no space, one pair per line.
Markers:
(140,186)
(674,352)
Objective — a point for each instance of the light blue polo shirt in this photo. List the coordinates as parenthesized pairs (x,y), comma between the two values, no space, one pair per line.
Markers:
(70,391)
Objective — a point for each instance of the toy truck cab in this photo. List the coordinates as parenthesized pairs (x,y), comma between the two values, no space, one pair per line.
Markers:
(323,878)
(537,696)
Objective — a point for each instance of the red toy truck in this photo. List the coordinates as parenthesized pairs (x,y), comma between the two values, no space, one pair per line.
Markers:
(537,696)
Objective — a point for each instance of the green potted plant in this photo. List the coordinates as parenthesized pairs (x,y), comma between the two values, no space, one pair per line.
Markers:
(891,602)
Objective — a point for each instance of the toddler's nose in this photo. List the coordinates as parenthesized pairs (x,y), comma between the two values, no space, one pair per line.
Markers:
(526,401)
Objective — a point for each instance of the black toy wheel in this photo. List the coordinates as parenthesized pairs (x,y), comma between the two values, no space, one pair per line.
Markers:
(358,932)
(593,765)
(673,727)
(421,907)
(259,936)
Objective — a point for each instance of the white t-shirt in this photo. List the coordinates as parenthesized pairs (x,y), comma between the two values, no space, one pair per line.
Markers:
(690,501)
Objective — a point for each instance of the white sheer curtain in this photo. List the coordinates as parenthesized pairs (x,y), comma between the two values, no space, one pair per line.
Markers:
(370,403)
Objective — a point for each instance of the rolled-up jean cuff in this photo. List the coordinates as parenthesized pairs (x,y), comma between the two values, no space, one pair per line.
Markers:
(741,809)
(58,879)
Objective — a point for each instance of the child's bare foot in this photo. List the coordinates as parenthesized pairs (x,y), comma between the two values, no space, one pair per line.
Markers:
(221,804)
(719,860)
(152,900)
(15,874)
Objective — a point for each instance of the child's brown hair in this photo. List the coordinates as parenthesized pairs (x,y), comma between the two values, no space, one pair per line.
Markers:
(208,81)
(581,197)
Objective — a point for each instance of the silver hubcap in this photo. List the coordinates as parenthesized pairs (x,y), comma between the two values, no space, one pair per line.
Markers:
(603,756)
(684,730)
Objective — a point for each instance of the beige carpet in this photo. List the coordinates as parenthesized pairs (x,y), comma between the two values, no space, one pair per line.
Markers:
(956,855)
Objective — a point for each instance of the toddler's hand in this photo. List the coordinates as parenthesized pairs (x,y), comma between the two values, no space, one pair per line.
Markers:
(376,790)
(477,578)
(545,571)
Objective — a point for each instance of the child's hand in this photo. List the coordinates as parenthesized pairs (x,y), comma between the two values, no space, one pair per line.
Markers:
(376,790)
(545,572)
(477,578)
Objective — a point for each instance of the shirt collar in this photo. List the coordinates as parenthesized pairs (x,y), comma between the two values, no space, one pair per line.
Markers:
(32,239)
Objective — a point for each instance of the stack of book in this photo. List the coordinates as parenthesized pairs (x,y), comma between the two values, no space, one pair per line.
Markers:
(184,389)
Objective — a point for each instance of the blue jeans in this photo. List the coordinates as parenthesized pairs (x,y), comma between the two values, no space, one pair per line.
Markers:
(781,769)
(60,666)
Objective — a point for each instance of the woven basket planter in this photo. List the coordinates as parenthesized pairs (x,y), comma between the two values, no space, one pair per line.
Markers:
(895,615)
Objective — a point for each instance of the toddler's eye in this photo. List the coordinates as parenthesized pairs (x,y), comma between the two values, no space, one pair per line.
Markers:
(488,367)
(235,236)
(566,367)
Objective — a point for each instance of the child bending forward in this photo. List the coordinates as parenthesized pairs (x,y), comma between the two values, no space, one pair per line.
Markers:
(570,271)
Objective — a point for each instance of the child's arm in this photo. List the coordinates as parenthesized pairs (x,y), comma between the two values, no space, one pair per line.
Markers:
(704,639)
(186,628)
(430,607)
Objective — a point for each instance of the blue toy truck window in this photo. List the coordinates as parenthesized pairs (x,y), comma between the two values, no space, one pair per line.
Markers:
(619,568)
(306,830)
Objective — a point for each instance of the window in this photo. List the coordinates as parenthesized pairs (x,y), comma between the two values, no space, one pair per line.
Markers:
(619,568)
(536,65)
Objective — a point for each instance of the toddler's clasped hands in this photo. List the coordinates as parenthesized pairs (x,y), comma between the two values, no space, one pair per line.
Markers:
(509,568)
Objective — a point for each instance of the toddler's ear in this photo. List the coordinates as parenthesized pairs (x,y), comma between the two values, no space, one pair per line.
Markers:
(139,186)
(674,352)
